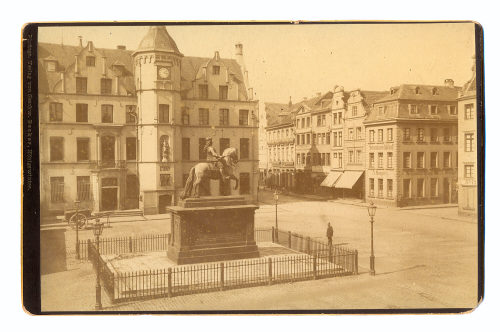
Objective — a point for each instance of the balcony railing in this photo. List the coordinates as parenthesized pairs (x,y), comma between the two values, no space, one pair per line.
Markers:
(102,164)
(283,163)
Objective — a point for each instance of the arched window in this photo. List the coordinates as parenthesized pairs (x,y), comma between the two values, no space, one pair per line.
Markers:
(165,148)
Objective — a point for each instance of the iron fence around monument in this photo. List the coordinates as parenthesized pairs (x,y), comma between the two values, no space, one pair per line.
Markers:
(313,260)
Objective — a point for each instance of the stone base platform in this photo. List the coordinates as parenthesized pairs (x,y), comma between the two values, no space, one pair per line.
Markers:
(211,229)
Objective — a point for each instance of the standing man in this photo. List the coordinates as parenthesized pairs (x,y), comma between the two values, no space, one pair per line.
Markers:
(329,234)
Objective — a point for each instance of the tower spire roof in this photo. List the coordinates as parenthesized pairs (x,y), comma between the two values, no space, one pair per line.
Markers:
(158,39)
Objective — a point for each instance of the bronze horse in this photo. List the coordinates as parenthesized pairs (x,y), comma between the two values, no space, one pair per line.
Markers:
(210,170)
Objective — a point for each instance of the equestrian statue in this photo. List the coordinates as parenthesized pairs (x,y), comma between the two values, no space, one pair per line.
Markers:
(217,167)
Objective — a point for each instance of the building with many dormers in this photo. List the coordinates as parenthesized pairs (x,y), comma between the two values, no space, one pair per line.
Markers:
(412,146)
(467,147)
(121,129)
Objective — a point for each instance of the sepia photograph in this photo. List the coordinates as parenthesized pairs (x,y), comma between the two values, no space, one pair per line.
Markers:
(258,167)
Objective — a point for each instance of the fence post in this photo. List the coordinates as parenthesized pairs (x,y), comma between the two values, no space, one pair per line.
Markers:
(314,267)
(273,236)
(88,249)
(169,275)
(289,239)
(270,268)
(355,262)
(222,276)
(129,244)
(308,245)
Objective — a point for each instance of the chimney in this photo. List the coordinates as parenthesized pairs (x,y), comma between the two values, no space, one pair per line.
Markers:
(121,47)
(449,83)
(103,66)
(90,45)
(76,63)
(80,41)
(238,49)
(217,56)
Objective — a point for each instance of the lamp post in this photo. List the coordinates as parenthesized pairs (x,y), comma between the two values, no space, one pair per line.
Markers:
(276,198)
(371,212)
(136,121)
(77,204)
(98,227)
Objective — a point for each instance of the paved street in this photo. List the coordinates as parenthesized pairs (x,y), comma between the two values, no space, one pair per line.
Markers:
(424,258)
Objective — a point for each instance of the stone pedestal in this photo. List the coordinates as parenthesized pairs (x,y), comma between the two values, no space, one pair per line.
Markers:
(212,228)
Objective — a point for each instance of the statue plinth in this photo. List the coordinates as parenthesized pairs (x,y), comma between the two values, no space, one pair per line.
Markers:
(212,228)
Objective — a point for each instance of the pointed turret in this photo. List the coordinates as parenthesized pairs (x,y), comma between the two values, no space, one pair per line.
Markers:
(157,39)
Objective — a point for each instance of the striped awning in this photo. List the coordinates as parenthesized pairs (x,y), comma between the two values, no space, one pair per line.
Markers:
(348,179)
(331,178)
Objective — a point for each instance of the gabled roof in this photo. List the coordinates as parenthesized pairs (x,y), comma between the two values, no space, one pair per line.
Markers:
(158,39)
(369,97)
(278,114)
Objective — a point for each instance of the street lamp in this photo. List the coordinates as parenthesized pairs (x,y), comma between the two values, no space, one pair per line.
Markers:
(371,212)
(276,198)
(98,227)
(133,113)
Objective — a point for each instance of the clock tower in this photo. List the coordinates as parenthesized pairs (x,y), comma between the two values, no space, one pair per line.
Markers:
(157,72)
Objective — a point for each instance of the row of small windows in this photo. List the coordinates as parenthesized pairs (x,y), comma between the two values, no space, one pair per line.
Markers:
(56,114)
(415,109)
(320,139)
(305,122)
(407,183)
(203,91)
(380,188)
(314,159)
(106,85)
(434,159)
(224,143)
(433,135)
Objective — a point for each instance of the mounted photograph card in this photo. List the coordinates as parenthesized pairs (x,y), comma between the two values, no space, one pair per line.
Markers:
(253,167)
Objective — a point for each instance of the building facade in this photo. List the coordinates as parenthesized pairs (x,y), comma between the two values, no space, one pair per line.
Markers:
(121,129)
(467,147)
(412,146)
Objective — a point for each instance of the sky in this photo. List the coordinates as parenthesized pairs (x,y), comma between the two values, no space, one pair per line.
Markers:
(299,61)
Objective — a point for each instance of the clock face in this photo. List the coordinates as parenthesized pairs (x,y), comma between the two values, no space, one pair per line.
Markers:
(163,72)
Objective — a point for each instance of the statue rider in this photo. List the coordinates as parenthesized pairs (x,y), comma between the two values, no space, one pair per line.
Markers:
(212,156)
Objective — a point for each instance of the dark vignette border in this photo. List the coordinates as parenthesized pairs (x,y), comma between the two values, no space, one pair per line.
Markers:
(31,296)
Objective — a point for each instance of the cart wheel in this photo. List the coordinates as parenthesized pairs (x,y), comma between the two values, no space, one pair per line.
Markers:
(79,219)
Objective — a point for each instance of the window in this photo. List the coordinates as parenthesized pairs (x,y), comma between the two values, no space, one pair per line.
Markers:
(413,109)
(389,134)
(303,139)
(130,113)
(203,91)
(372,187)
(434,91)
(81,85)
(328,159)
(202,153)
(163,113)
(298,158)
(469,111)
(434,109)
(389,159)
(327,138)
(244,148)
(105,86)
(351,133)
(406,159)
(308,138)
(303,159)
(420,187)
(358,157)
(334,118)
(56,112)
(469,171)
(82,149)
(243,118)
(244,183)
(308,122)
(351,156)
(223,92)
(107,113)
(372,136)
(186,149)
(215,70)
(335,141)
(318,121)
(446,160)
(358,133)
(433,134)
(298,123)
(203,116)
(372,160)
(452,109)
(57,189)
(223,144)
(56,149)
(323,120)
(469,142)
(380,188)
(340,159)
(380,135)
(51,65)
(354,110)
(90,61)
(420,134)
(406,188)
(434,187)
(380,160)
(131,148)
(389,188)
(83,192)
(406,134)
(224,117)
(164,180)
(446,134)
(420,160)
(340,117)
(302,122)
(434,160)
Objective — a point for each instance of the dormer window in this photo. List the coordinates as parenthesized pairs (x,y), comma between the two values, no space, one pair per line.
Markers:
(51,66)
(90,61)
(417,90)
(215,70)
(393,91)
(434,91)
